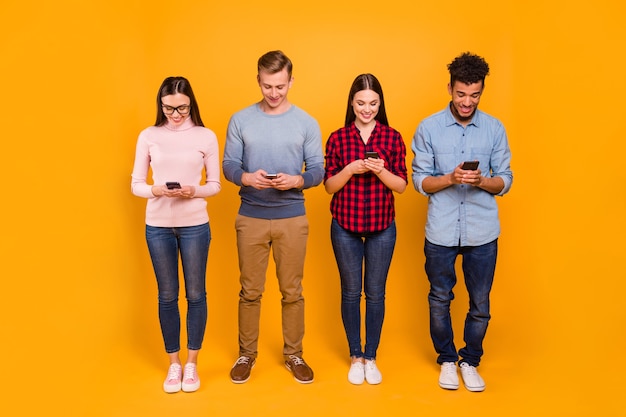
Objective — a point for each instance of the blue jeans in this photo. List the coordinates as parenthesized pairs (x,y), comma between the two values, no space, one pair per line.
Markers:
(353,251)
(479,264)
(165,244)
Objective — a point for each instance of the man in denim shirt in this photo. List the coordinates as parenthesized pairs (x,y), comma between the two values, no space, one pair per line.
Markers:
(462,213)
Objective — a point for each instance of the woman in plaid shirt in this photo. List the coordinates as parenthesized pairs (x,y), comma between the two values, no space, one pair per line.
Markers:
(365,164)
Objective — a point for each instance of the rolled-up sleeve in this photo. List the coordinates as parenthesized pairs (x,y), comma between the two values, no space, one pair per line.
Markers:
(423,164)
(501,160)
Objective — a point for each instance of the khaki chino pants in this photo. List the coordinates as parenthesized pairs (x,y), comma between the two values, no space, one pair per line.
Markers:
(286,238)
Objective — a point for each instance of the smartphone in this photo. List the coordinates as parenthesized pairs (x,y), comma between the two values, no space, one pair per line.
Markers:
(172,185)
(271,176)
(470,165)
(371,155)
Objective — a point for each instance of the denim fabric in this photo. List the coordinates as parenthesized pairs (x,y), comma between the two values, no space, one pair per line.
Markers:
(165,244)
(478,266)
(363,261)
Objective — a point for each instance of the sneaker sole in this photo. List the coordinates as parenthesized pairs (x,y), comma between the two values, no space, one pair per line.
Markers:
(191,387)
(298,380)
(449,386)
(172,390)
(475,389)
(242,381)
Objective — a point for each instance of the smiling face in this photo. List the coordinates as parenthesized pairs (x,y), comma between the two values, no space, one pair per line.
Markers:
(465,99)
(176,108)
(274,87)
(365,105)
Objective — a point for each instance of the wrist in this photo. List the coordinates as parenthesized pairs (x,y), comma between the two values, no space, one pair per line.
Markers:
(156,190)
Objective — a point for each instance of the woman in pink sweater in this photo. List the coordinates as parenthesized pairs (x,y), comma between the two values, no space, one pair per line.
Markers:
(178,149)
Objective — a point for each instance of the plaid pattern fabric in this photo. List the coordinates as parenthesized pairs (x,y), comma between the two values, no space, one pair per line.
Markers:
(364,204)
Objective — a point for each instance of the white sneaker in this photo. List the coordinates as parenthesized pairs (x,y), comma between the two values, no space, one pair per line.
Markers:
(172,382)
(372,374)
(473,382)
(448,378)
(191,381)
(356,374)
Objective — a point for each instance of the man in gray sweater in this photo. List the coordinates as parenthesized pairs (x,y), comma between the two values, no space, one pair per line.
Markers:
(267,146)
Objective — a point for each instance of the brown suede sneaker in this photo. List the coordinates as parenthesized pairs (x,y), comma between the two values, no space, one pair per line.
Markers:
(240,372)
(300,370)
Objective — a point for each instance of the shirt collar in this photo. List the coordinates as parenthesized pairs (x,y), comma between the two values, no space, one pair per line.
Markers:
(450,120)
(354,129)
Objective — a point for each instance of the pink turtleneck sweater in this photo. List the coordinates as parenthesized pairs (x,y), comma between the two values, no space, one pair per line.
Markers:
(176,153)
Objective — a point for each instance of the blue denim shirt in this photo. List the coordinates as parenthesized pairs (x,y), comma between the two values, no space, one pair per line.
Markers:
(461,214)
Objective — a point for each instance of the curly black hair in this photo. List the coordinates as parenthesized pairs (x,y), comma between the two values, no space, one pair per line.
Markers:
(468,68)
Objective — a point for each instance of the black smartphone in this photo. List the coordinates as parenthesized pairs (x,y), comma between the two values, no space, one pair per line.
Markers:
(470,165)
(271,176)
(172,185)
(371,155)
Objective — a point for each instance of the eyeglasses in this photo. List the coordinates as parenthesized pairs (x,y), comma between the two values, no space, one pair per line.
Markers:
(182,110)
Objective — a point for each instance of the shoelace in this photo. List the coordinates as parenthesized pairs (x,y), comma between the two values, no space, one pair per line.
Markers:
(449,369)
(296,360)
(370,364)
(190,371)
(469,369)
(243,360)
(173,372)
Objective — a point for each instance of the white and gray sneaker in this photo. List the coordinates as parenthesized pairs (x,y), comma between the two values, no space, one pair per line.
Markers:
(448,378)
(356,374)
(372,374)
(472,380)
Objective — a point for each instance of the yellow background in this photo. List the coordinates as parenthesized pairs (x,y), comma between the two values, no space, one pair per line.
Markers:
(79,326)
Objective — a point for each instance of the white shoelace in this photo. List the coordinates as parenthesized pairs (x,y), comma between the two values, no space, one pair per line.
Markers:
(469,369)
(370,366)
(173,372)
(243,360)
(296,360)
(190,371)
(449,368)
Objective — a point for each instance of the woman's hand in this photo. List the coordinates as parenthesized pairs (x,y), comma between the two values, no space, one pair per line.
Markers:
(376,165)
(186,191)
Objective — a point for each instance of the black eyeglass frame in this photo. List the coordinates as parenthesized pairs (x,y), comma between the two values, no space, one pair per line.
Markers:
(169,110)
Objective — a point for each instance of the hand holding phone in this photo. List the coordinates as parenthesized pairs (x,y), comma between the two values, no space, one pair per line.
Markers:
(271,176)
(470,165)
(371,154)
(172,185)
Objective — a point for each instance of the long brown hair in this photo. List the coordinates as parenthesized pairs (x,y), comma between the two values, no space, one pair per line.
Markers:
(366,82)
